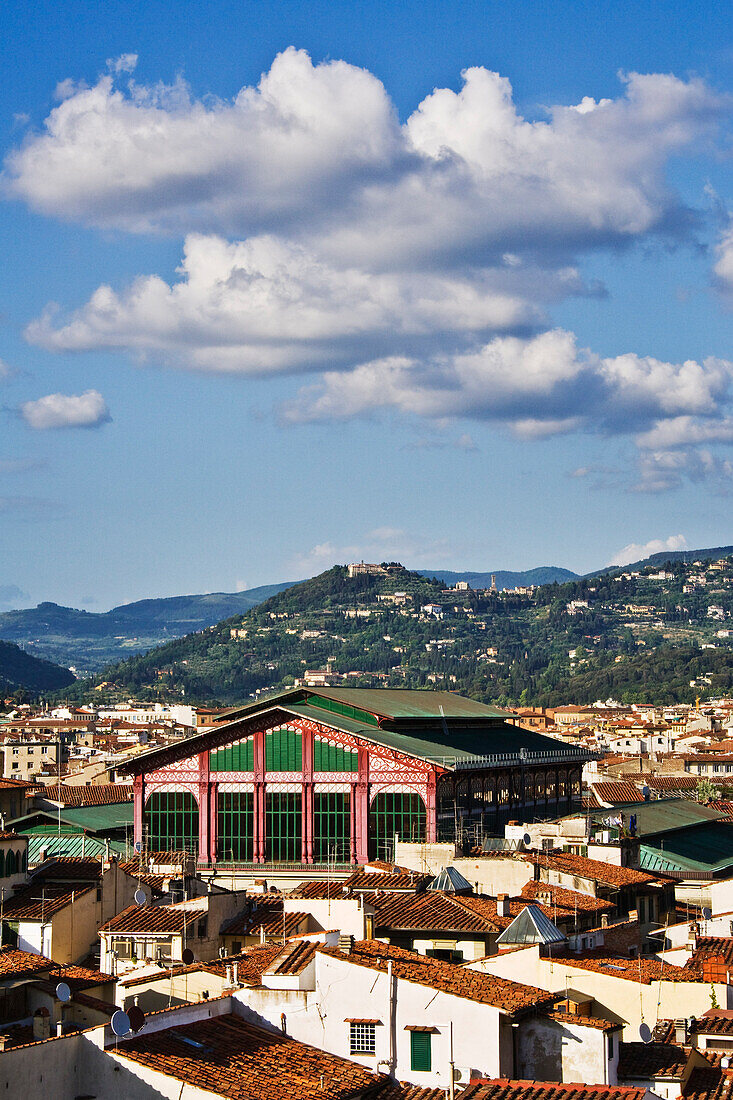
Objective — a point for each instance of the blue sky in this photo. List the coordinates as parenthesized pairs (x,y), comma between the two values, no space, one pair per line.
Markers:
(281,287)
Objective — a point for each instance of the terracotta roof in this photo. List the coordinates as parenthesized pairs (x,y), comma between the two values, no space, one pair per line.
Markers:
(293,959)
(235,1059)
(95,794)
(251,964)
(640,970)
(320,889)
(595,1022)
(724,806)
(436,911)
(157,883)
(716,1021)
(82,977)
(566,901)
(15,961)
(67,867)
(617,792)
(268,915)
(714,1083)
(152,918)
(365,881)
(681,782)
(642,1061)
(444,976)
(37,902)
(610,874)
(547,1090)
(711,947)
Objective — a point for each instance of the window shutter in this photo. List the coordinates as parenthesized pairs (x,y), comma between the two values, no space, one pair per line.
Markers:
(420,1051)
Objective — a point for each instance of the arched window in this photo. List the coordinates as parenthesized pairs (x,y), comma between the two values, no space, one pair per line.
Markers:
(394,813)
(25,860)
(2,863)
(10,867)
(235,826)
(172,821)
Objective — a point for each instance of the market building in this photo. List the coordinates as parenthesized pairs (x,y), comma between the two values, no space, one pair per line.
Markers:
(331,776)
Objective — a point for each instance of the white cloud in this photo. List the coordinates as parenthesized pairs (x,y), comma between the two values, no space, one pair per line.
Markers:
(723,268)
(637,551)
(125,63)
(59,410)
(409,266)
(381,544)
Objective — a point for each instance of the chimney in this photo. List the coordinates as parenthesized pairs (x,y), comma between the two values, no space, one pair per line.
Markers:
(229,975)
(680,1031)
(502,905)
(604,920)
(346,944)
(4,1040)
(234,974)
(41,1024)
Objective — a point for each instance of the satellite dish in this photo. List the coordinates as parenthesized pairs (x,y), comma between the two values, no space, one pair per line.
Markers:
(63,992)
(645,1033)
(187,956)
(136,1016)
(527,840)
(140,897)
(707,913)
(138,846)
(120,1023)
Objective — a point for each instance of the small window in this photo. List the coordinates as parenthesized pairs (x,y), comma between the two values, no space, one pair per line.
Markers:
(420,1051)
(236,946)
(611,1039)
(201,928)
(363,1039)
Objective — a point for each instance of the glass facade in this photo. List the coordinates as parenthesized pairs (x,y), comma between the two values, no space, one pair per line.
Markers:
(235,826)
(331,828)
(392,813)
(283,827)
(172,822)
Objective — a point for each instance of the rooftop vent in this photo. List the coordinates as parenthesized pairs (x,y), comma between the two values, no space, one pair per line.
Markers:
(346,944)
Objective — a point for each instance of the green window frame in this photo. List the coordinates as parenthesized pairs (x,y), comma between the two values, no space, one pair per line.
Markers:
(238,757)
(172,822)
(235,826)
(283,751)
(390,813)
(328,757)
(421,1051)
(283,827)
(331,827)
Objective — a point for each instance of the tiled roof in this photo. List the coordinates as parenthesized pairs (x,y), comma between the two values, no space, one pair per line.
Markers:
(610,874)
(681,782)
(37,902)
(293,959)
(716,1021)
(251,964)
(714,1083)
(365,881)
(617,792)
(67,868)
(444,976)
(595,1022)
(722,805)
(711,947)
(82,977)
(547,1090)
(640,970)
(152,918)
(157,883)
(96,794)
(565,901)
(268,916)
(435,911)
(15,961)
(235,1059)
(642,1061)
(319,889)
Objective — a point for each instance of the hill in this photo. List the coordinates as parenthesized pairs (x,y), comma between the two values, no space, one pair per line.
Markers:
(87,641)
(655,633)
(714,553)
(543,574)
(21,670)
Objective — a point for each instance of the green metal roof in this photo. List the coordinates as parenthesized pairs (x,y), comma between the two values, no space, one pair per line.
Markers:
(94,819)
(664,815)
(438,745)
(703,847)
(70,844)
(465,732)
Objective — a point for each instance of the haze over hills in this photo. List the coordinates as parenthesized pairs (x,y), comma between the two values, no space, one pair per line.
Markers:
(20,670)
(89,641)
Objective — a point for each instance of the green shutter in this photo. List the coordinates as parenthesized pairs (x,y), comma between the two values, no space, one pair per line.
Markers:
(283,751)
(328,757)
(420,1051)
(238,757)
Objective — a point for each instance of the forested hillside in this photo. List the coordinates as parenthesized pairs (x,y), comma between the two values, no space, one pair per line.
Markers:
(635,635)
(18,670)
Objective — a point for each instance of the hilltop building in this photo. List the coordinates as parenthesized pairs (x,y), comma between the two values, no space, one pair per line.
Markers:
(333,775)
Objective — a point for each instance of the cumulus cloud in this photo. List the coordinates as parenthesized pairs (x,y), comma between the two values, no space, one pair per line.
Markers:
(637,551)
(411,266)
(380,544)
(59,410)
